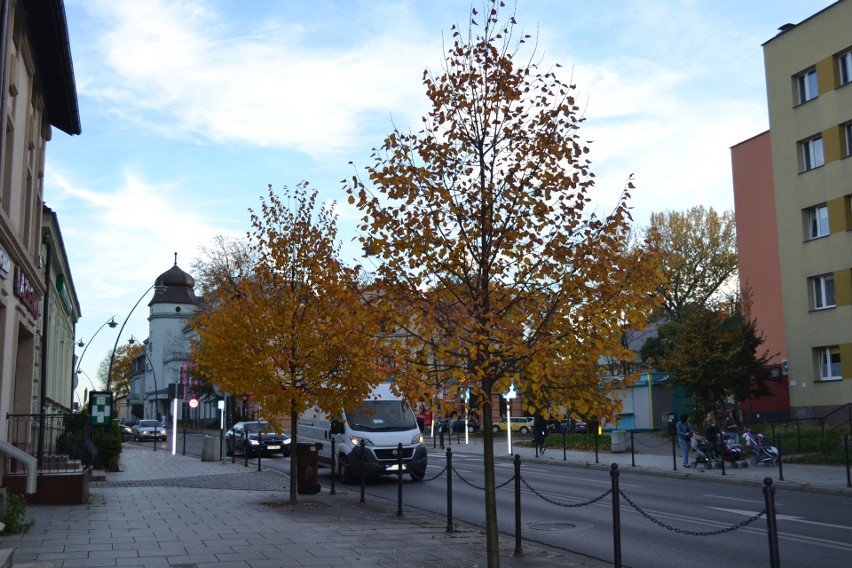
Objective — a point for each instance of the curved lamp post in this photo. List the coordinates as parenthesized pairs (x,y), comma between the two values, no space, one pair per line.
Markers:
(131,341)
(112,324)
(158,290)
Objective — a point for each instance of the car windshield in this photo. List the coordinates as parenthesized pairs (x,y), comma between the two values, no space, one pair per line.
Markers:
(255,427)
(377,415)
(148,423)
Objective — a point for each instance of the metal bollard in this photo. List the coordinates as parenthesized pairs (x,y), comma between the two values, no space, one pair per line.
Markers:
(259,448)
(565,443)
(245,448)
(632,451)
(518,549)
(596,447)
(449,490)
(772,527)
(399,479)
(362,446)
(674,453)
(720,443)
(777,439)
(846,451)
(333,466)
(616,517)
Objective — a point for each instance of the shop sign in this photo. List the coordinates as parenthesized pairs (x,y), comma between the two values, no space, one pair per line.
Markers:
(5,264)
(25,292)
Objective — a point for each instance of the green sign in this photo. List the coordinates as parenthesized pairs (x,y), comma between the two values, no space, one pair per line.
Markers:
(100,408)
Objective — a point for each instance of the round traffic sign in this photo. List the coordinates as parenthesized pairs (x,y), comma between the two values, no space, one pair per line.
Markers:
(193,403)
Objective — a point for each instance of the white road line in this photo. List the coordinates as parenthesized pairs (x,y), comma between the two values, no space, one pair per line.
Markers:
(786,518)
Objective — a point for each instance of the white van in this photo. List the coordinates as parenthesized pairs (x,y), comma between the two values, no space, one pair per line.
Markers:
(383,421)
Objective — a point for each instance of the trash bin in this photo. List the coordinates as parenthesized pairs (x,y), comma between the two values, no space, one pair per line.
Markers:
(210,448)
(306,468)
(619,441)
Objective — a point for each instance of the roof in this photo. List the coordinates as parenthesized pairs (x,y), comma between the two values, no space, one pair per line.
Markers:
(178,287)
(52,50)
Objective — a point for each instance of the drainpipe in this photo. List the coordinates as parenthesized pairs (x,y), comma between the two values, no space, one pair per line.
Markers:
(4,55)
(44,348)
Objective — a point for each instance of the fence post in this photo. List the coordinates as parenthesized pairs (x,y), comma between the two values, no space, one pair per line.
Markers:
(596,447)
(245,443)
(399,476)
(721,444)
(362,445)
(616,517)
(565,442)
(772,528)
(259,447)
(333,465)
(449,490)
(518,550)
(674,453)
(846,451)
(778,447)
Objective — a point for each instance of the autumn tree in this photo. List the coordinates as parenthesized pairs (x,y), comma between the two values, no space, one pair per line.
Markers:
(487,248)
(292,328)
(700,256)
(714,353)
(121,369)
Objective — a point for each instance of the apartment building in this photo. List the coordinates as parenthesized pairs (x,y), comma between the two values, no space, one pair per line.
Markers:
(809,89)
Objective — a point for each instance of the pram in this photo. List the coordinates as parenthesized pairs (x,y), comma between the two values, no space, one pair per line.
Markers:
(732,452)
(760,448)
(704,454)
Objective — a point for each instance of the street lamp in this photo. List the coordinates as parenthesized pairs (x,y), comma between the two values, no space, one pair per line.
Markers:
(159,290)
(111,323)
(131,341)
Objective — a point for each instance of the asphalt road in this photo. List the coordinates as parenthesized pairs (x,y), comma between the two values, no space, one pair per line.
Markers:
(814,530)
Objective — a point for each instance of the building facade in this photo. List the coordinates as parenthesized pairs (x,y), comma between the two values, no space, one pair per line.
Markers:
(37,93)
(808,81)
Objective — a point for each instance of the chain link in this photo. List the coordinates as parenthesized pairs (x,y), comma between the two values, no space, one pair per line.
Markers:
(567,505)
(433,478)
(466,482)
(641,443)
(691,533)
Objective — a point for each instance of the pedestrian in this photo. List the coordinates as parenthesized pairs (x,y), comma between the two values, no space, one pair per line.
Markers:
(732,426)
(539,432)
(711,432)
(684,436)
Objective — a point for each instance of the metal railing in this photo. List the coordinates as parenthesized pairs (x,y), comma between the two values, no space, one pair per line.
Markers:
(67,446)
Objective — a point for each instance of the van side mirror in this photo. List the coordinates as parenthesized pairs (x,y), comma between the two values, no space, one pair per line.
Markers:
(336,427)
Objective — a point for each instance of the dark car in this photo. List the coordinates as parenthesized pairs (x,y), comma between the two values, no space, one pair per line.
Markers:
(566,425)
(126,432)
(458,425)
(250,438)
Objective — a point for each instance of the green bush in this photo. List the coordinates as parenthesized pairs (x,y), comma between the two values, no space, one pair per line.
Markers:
(107,440)
(16,512)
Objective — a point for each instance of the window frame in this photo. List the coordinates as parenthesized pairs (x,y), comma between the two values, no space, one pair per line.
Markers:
(847,131)
(811,159)
(807,86)
(844,67)
(816,228)
(823,295)
(826,365)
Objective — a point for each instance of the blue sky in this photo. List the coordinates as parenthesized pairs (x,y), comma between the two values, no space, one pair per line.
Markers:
(190,108)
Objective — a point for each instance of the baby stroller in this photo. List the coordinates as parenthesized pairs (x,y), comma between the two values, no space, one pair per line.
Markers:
(763,452)
(704,454)
(732,452)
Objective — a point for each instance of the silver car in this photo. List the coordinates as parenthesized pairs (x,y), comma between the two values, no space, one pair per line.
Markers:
(149,430)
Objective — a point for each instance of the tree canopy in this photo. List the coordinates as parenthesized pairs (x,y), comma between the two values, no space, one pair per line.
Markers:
(290,328)
(121,369)
(487,248)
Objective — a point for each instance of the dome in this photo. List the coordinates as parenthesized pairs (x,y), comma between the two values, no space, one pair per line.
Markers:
(178,287)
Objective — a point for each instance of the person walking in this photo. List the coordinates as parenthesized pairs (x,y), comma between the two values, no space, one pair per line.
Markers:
(684,435)
(539,431)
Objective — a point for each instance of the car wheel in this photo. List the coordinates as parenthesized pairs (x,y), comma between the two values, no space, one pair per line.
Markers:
(524,430)
(496,429)
(471,429)
(417,476)
(343,472)
(229,449)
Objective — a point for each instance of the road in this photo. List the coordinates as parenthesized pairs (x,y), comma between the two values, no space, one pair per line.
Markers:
(814,530)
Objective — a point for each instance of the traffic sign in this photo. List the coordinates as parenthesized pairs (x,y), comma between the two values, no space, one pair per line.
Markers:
(193,403)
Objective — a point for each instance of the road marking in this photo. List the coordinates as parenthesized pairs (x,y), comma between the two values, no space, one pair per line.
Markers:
(785,518)
(710,495)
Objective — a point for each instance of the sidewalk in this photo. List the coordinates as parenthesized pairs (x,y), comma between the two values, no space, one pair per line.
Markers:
(177,511)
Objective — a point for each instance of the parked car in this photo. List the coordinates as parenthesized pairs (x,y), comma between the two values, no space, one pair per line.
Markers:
(519,424)
(249,438)
(126,432)
(148,430)
(458,425)
(566,425)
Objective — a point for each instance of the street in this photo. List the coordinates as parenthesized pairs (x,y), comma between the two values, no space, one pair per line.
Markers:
(814,529)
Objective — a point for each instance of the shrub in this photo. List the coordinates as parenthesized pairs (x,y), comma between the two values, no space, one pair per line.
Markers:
(16,512)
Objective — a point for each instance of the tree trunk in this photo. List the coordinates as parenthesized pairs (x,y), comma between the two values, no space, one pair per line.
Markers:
(294,459)
(492,543)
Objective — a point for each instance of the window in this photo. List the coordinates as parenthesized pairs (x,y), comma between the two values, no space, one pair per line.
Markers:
(829,363)
(812,153)
(806,86)
(847,129)
(844,61)
(822,288)
(817,221)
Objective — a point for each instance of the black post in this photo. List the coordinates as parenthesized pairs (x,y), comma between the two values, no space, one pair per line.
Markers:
(362,445)
(399,480)
(245,444)
(518,549)
(632,451)
(846,451)
(184,433)
(333,466)
(721,444)
(772,528)
(565,442)
(222,435)
(777,439)
(674,453)
(233,445)
(449,490)
(259,447)
(441,433)
(616,517)
(596,447)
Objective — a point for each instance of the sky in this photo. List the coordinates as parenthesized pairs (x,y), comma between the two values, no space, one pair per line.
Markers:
(191,108)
